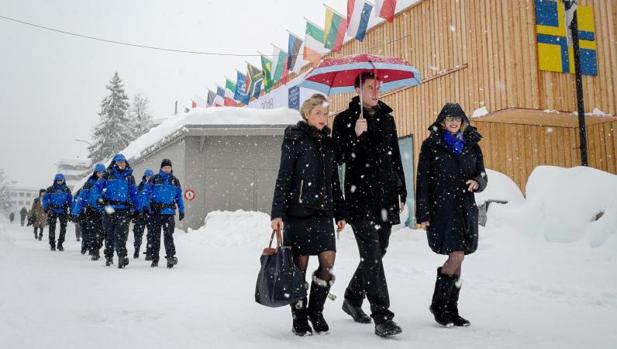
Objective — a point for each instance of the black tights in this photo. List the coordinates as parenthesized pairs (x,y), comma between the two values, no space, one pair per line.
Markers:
(453,264)
(326,263)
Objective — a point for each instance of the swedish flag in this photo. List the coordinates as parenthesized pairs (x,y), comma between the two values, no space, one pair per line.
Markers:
(554,53)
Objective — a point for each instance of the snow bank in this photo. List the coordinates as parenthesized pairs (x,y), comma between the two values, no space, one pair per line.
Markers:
(565,205)
(499,188)
(237,228)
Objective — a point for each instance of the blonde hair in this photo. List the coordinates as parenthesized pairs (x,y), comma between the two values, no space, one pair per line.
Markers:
(312,102)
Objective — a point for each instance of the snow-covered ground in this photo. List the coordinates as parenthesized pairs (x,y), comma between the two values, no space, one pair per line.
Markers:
(520,291)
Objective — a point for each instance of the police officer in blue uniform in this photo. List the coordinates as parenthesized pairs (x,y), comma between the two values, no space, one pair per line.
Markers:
(117,193)
(163,194)
(90,215)
(56,203)
(141,220)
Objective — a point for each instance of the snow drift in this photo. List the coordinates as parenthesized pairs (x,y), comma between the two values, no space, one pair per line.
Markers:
(564,205)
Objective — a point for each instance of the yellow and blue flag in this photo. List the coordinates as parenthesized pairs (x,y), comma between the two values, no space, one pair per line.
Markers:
(554,52)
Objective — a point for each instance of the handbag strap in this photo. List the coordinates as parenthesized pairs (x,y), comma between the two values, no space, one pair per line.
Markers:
(279,239)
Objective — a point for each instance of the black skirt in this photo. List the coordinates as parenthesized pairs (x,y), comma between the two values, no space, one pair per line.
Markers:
(309,236)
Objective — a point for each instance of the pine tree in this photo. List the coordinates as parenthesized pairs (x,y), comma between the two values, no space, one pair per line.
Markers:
(140,116)
(114,131)
(5,199)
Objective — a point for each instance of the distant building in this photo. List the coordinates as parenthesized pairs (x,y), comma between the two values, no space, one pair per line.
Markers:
(21,196)
(225,158)
(73,170)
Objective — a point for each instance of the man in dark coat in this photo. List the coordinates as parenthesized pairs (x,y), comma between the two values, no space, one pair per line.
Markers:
(367,143)
(23,213)
(450,171)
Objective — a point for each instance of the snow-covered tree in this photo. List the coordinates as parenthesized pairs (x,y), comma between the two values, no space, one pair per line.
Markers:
(114,131)
(5,199)
(140,116)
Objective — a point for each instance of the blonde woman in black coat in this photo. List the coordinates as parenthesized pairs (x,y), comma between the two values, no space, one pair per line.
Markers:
(307,200)
(450,171)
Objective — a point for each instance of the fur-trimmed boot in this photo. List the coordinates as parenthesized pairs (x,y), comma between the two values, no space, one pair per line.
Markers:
(440,307)
(453,305)
(299,314)
(317,297)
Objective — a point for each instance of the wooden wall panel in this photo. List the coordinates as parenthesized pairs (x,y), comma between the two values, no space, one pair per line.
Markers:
(483,53)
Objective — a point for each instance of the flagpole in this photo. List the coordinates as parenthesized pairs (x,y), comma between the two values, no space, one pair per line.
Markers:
(580,98)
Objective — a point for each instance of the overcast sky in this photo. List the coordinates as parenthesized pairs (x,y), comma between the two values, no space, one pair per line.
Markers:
(51,85)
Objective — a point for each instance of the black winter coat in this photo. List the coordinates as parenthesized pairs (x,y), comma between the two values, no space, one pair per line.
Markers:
(374,178)
(442,198)
(307,181)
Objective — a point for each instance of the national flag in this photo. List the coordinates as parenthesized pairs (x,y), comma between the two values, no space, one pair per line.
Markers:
(385,9)
(256,79)
(334,30)
(199,102)
(358,14)
(219,99)
(279,67)
(294,47)
(266,67)
(241,94)
(211,95)
(313,43)
(230,89)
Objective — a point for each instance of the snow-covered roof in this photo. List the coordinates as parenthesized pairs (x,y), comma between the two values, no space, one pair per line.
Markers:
(214,117)
(74,162)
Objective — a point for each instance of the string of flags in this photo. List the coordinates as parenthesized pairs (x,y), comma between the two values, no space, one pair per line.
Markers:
(317,42)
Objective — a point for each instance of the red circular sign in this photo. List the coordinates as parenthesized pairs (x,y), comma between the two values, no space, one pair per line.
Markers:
(189,194)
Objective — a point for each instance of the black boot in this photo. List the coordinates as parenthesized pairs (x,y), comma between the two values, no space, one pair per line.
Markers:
(300,319)
(387,328)
(109,261)
(171,261)
(453,305)
(136,254)
(60,248)
(319,292)
(155,262)
(441,299)
(53,247)
(356,313)
(84,250)
(123,262)
(95,255)
(41,237)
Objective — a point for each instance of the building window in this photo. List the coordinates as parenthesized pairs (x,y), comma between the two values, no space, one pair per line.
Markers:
(13,194)
(21,195)
(27,203)
(28,195)
(21,203)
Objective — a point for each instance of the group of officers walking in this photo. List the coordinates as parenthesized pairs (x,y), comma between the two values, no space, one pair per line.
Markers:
(308,202)
(104,207)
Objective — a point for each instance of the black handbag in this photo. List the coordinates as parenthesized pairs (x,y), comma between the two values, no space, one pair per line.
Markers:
(279,281)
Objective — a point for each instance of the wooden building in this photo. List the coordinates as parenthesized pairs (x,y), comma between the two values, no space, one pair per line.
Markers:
(483,53)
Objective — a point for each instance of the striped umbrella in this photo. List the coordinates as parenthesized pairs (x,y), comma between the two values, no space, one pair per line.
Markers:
(337,75)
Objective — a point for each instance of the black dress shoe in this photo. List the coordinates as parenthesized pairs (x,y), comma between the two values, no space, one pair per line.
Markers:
(356,313)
